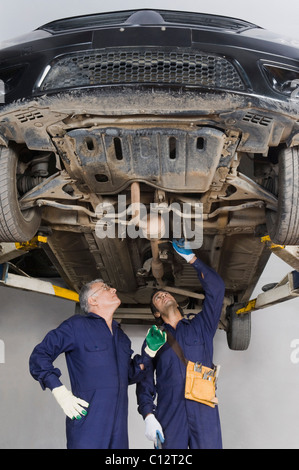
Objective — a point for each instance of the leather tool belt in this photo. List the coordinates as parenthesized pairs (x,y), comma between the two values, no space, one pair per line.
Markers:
(201,381)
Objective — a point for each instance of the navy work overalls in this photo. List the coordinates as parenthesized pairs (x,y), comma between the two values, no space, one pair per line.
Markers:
(100,369)
(186,423)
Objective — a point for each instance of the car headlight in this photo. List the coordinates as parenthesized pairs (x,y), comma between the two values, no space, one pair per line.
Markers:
(283,80)
(10,78)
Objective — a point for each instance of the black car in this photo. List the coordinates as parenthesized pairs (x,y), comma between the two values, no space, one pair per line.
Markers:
(164,110)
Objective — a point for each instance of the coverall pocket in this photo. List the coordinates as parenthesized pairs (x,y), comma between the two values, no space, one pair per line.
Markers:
(194,348)
(96,354)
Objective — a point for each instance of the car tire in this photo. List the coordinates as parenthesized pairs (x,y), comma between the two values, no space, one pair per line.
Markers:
(239,329)
(15,225)
(283,225)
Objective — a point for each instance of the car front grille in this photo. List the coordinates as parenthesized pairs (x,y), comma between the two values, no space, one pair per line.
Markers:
(123,18)
(146,66)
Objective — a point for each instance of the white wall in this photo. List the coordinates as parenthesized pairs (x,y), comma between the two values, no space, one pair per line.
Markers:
(258,388)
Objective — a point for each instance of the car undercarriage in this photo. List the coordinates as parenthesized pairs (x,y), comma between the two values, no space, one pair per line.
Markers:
(73,155)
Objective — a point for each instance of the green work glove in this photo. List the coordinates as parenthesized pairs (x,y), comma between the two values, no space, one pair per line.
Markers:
(155,339)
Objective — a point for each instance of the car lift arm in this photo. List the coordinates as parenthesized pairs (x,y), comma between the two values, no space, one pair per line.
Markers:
(286,289)
(22,281)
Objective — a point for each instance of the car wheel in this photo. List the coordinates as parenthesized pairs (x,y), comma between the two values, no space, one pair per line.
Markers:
(239,329)
(15,225)
(283,225)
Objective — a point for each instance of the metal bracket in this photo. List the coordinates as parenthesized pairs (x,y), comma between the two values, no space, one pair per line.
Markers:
(10,250)
(288,253)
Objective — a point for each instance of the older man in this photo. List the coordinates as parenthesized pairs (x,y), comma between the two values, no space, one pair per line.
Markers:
(98,355)
(182,422)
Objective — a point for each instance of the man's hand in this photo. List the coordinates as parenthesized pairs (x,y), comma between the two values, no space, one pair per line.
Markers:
(155,339)
(71,405)
(181,247)
(152,428)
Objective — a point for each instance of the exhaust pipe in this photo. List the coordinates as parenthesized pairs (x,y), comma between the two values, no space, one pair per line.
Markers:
(153,228)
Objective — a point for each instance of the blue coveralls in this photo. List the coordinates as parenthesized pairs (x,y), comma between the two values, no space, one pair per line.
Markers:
(185,423)
(100,369)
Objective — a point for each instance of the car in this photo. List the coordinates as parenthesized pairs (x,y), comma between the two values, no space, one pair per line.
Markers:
(121,131)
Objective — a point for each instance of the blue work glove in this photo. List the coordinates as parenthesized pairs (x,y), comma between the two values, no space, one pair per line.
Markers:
(159,440)
(181,247)
(153,430)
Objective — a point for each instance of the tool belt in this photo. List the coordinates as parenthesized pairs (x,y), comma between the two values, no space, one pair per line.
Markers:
(201,381)
(201,384)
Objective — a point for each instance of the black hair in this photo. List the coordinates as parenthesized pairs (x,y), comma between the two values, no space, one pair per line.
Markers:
(154,309)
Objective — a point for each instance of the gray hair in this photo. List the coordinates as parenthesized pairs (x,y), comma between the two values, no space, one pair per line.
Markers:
(84,294)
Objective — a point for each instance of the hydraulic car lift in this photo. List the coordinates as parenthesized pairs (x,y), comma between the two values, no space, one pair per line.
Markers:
(286,289)
(9,251)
